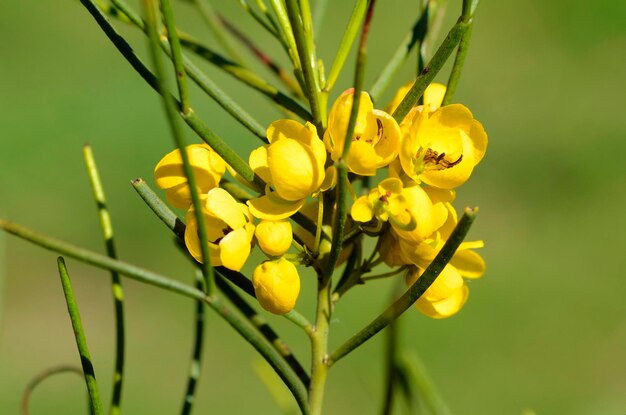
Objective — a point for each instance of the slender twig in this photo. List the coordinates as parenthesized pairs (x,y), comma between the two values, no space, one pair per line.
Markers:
(263,57)
(415,37)
(280,11)
(414,292)
(265,21)
(318,17)
(116,283)
(428,74)
(203,131)
(81,342)
(467,16)
(396,271)
(420,380)
(152,19)
(196,354)
(213,22)
(358,13)
(343,194)
(390,379)
(40,377)
(300,19)
(264,328)
(177,56)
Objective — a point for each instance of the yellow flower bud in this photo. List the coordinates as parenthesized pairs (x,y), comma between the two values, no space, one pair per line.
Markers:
(276,285)
(274,237)
(208,168)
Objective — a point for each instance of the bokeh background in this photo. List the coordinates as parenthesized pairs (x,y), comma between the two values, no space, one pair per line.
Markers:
(545,329)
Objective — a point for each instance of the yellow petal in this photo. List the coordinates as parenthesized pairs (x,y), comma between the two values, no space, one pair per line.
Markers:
(469,263)
(169,171)
(444,308)
(388,142)
(258,163)
(479,139)
(294,170)
(362,159)
(276,285)
(282,129)
(274,237)
(330,178)
(362,210)
(235,249)
(271,207)
(220,204)
(433,96)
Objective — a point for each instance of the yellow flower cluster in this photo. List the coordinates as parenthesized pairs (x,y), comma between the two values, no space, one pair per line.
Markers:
(428,155)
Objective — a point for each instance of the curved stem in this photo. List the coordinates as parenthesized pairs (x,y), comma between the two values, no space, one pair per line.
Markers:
(414,292)
(81,342)
(40,377)
(116,283)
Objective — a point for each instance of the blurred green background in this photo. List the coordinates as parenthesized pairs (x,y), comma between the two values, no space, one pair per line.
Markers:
(545,329)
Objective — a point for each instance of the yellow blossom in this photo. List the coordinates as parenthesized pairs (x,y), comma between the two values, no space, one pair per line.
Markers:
(274,237)
(376,135)
(433,96)
(445,297)
(292,165)
(229,230)
(208,168)
(384,201)
(442,147)
(276,285)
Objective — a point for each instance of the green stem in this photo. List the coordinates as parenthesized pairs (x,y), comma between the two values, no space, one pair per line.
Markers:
(318,16)
(429,72)
(81,341)
(319,346)
(467,16)
(419,378)
(300,19)
(264,328)
(280,11)
(116,283)
(196,354)
(415,37)
(414,292)
(177,55)
(391,354)
(203,131)
(152,19)
(213,22)
(358,13)
(40,377)
(264,58)
(383,275)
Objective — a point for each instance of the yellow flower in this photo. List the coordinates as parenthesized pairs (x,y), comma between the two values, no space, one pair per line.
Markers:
(386,202)
(292,165)
(376,135)
(441,148)
(229,230)
(208,168)
(274,237)
(276,285)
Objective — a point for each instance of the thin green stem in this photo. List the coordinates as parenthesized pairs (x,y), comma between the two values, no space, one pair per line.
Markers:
(467,16)
(40,377)
(420,380)
(358,13)
(391,370)
(101,261)
(350,273)
(116,283)
(152,19)
(414,292)
(300,19)
(319,346)
(213,22)
(280,11)
(318,17)
(177,55)
(428,74)
(263,21)
(264,58)
(343,193)
(203,131)
(81,342)
(196,354)
(383,275)
(264,328)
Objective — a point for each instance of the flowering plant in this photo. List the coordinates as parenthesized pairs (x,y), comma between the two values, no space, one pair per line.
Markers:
(319,188)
